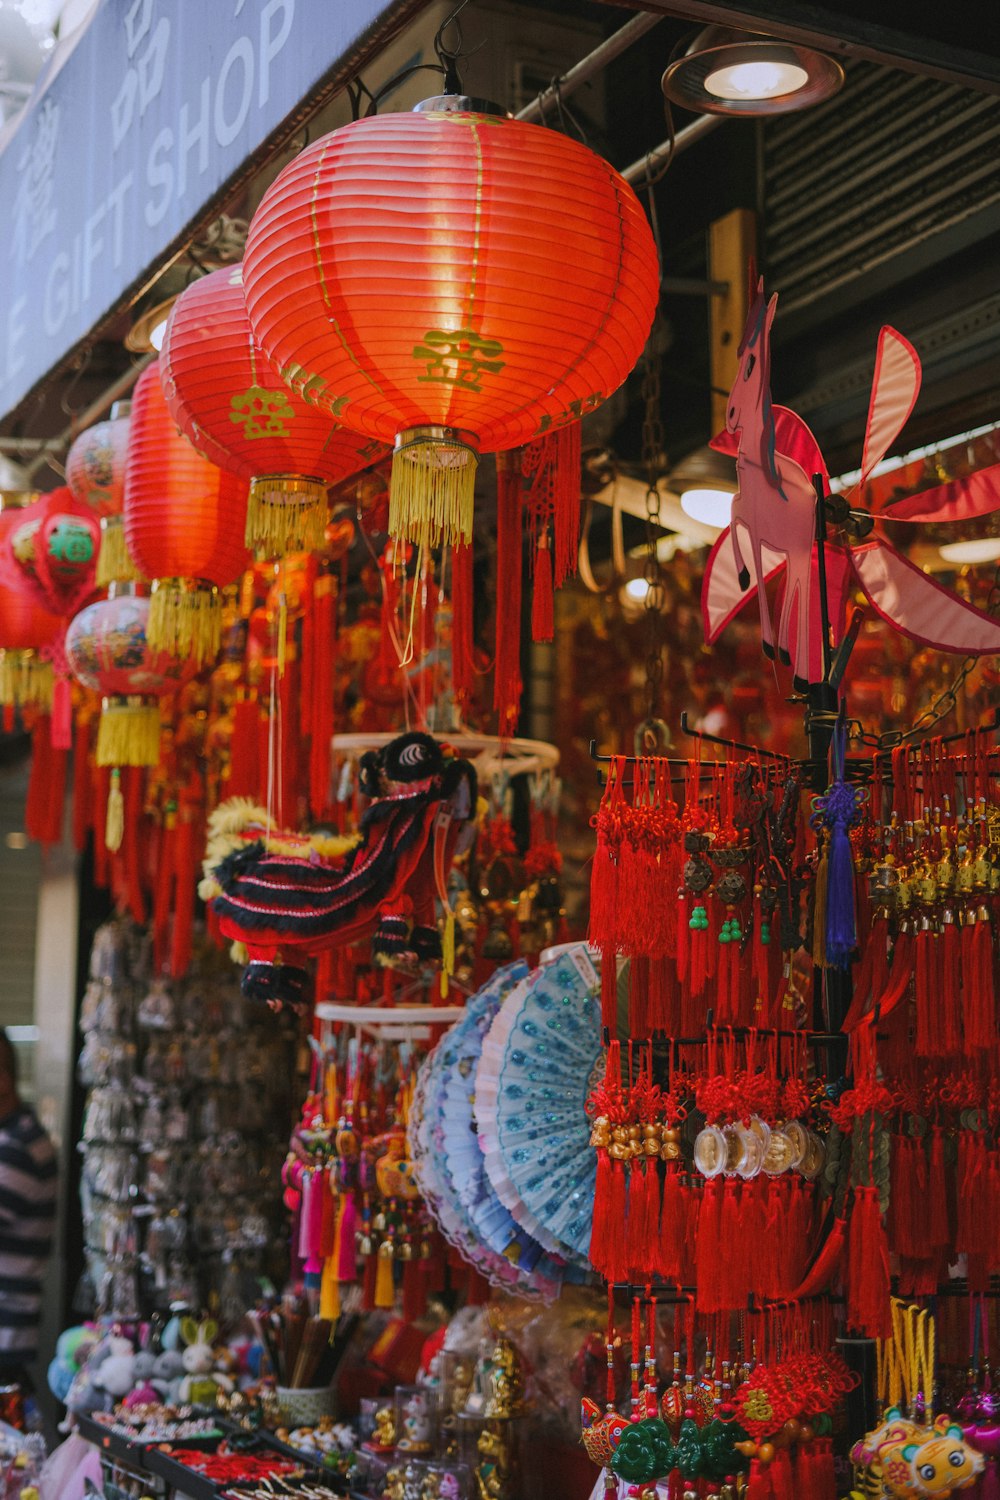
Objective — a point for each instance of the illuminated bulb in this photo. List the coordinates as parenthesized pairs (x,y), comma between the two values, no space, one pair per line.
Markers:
(711,507)
(981,549)
(156,333)
(16,841)
(637,588)
(756,80)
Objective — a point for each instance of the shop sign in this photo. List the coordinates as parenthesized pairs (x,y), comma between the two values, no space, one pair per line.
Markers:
(158,105)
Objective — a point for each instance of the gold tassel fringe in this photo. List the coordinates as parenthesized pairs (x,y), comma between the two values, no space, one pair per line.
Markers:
(128,733)
(185,619)
(431,492)
(114,561)
(114,827)
(286,513)
(385,1289)
(26,680)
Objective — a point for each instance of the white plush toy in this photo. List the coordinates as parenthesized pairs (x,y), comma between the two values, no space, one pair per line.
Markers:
(201,1384)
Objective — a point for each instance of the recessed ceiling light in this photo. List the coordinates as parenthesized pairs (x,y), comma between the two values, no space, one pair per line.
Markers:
(979,549)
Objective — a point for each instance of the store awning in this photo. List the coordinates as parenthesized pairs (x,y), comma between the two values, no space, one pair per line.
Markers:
(128,146)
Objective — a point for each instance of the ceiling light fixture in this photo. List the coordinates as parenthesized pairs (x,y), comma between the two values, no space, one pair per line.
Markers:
(706,484)
(730,72)
(979,549)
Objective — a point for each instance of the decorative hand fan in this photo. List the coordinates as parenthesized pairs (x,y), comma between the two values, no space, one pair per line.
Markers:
(480,1229)
(532,1085)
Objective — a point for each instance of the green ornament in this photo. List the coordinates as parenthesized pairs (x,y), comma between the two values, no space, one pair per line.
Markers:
(688,1456)
(765,934)
(718,1447)
(644,1452)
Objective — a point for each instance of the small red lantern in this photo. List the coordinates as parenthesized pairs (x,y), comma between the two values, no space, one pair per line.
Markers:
(456,282)
(108,651)
(226,398)
(95,472)
(184,525)
(26,629)
(49,551)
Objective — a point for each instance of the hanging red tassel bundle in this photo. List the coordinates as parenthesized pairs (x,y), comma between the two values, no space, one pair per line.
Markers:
(82,783)
(868,1288)
(609,1107)
(462,640)
(46,799)
(674,1210)
(710,1249)
(244,759)
(321,678)
(134,790)
(936,1225)
(980,1008)
(542,601)
(605,875)
(507,672)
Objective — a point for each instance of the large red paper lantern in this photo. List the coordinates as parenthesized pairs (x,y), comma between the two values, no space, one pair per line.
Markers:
(108,651)
(184,525)
(454,282)
(226,398)
(95,472)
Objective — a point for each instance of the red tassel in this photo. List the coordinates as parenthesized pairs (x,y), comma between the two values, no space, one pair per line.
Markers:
(46,799)
(711,1248)
(868,1290)
(600,1224)
(616,1257)
(347,1262)
(950,991)
(507,677)
(980,1017)
(244,761)
(321,677)
(414,1291)
(644,1206)
(638,998)
(566,501)
(62,709)
(133,792)
(759,1485)
(368,1283)
(673,1226)
(934,1218)
(462,664)
(925,995)
(825,1266)
(542,602)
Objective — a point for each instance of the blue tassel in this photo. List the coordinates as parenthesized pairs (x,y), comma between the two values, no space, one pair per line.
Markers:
(841,924)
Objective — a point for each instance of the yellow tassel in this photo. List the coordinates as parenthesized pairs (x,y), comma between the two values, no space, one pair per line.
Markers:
(26,680)
(114,828)
(128,733)
(329,1289)
(447,953)
(238,952)
(185,619)
(431,491)
(385,1287)
(114,561)
(282,631)
(286,513)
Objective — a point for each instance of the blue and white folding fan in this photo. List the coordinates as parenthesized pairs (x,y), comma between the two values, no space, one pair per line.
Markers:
(535,1074)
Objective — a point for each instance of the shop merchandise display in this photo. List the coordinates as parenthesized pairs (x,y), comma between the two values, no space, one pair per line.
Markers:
(181,1132)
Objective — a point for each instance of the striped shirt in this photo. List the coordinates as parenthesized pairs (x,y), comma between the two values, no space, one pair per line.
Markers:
(27,1219)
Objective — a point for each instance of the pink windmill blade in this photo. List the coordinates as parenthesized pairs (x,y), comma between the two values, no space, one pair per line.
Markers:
(776,454)
(773,513)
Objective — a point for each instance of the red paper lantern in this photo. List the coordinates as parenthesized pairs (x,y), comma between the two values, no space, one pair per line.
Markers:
(455,282)
(48,551)
(95,472)
(108,651)
(26,629)
(226,398)
(184,525)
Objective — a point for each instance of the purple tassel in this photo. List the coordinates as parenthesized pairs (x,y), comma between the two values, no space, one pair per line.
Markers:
(838,810)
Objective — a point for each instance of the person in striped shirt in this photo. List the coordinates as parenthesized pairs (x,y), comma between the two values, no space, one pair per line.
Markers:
(27,1219)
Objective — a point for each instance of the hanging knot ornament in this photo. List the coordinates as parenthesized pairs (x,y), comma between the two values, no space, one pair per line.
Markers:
(407,275)
(184,525)
(237,411)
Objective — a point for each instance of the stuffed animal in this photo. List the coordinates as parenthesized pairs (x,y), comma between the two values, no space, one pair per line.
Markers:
(201,1384)
(116,1371)
(143,1391)
(168,1372)
(913,1461)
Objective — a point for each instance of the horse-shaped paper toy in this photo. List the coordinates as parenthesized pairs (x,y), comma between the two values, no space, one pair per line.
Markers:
(773,523)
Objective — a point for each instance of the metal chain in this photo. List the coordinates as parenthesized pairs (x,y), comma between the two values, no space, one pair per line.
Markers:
(652,458)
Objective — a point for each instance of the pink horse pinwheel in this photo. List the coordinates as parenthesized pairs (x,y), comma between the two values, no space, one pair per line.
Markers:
(773,523)
(774,510)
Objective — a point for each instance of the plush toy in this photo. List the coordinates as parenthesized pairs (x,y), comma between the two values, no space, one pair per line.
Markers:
(116,1371)
(201,1384)
(144,1391)
(286,901)
(912,1461)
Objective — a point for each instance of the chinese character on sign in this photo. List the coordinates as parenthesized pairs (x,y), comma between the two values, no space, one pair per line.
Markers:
(261,413)
(35,205)
(146,47)
(458,358)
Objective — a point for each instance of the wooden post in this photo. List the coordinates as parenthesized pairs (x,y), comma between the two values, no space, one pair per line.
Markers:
(732,244)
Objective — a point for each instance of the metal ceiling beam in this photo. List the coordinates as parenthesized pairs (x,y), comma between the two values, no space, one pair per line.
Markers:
(836,30)
(588,67)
